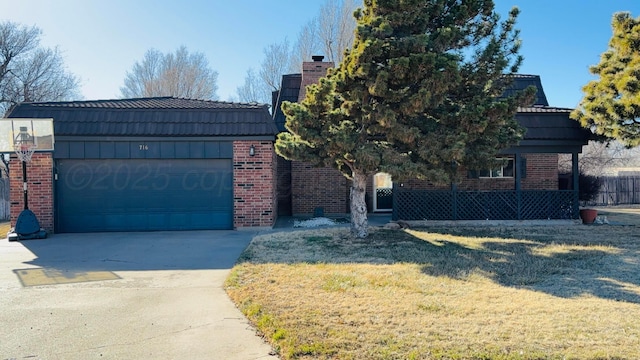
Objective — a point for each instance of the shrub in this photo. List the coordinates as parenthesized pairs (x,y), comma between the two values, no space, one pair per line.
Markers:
(588,187)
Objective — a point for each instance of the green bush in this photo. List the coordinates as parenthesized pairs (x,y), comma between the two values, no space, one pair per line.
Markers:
(588,187)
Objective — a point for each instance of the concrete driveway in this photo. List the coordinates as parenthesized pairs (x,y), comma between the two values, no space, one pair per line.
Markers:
(123,296)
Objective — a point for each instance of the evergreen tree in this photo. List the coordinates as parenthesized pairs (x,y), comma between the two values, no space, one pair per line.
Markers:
(417,95)
(611,104)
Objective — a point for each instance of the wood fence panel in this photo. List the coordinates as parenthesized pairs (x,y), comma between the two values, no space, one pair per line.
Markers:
(618,190)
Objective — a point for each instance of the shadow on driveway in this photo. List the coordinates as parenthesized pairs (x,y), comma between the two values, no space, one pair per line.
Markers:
(153,295)
(188,250)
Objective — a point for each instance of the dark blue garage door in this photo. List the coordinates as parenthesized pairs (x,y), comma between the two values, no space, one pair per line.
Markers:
(143,194)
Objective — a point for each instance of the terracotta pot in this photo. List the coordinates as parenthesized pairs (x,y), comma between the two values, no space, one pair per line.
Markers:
(588,216)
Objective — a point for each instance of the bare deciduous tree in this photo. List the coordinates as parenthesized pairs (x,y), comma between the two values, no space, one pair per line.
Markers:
(29,72)
(599,158)
(336,25)
(277,58)
(276,62)
(329,33)
(306,45)
(254,89)
(178,74)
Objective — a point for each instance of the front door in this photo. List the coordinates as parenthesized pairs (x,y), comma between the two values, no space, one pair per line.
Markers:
(383,192)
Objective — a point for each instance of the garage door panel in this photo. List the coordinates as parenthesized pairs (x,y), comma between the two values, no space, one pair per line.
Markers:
(143,194)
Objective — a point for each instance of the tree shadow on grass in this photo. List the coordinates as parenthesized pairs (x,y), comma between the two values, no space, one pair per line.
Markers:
(539,261)
(558,261)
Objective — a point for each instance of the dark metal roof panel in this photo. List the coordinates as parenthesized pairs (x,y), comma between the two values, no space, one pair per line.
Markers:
(544,109)
(166,102)
(152,117)
(552,125)
(289,90)
(522,81)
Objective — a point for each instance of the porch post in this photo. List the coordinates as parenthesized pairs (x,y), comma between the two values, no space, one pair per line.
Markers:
(394,201)
(518,177)
(576,183)
(454,200)
(454,193)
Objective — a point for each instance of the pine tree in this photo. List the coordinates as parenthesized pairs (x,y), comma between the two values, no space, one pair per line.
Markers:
(611,104)
(418,94)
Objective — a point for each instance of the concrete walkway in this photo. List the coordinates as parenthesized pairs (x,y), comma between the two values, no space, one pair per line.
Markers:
(124,296)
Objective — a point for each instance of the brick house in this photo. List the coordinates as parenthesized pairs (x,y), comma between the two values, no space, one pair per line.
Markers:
(150,164)
(525,187)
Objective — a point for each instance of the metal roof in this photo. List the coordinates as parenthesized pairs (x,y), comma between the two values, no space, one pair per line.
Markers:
(551,123)
(544,109)
(159,116)
(289,90)
(548,128)
(523,81)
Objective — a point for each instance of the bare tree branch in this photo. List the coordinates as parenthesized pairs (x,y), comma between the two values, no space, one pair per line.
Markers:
(253,89)
(599,158)
(178,74)
(15,41)
(276,61)
(306,46)
(29,72)
(330,33)
(336,26)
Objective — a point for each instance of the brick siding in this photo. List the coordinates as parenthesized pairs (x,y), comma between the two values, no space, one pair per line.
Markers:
(313,187)
(39,186)
(541,174)
(254,184)
(312,71)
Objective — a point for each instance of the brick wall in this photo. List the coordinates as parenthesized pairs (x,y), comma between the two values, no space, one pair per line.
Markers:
(39,185)
(254,187)
(313,187)
(541,174)
(312,71)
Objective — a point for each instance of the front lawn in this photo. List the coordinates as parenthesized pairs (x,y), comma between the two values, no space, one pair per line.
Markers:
(560,292)
(5,226)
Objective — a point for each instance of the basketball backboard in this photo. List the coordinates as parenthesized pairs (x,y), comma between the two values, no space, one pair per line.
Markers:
(41,130)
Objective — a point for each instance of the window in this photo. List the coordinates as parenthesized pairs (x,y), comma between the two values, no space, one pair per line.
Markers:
(504,171)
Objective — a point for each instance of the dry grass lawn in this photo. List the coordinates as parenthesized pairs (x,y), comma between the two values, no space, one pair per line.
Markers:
(559,292)
(4,229)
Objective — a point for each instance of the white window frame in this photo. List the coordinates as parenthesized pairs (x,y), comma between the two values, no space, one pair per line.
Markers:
(498,173)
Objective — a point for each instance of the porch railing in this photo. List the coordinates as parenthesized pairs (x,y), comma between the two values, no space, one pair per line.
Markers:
(484,205)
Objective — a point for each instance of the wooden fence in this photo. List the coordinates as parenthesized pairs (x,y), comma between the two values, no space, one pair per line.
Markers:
(618,190)
(4,199)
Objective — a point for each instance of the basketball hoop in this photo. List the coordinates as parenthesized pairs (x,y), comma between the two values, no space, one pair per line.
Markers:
(24,137)
(25,151)
(24,144)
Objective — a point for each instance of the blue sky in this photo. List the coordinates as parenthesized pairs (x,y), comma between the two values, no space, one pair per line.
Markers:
(101,40)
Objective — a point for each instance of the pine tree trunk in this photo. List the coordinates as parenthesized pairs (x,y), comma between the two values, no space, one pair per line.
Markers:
(359,222)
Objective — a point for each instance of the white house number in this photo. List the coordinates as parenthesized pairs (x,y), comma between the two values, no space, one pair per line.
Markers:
(144,147)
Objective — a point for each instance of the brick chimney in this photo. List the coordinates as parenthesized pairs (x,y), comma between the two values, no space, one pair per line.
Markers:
(312,71)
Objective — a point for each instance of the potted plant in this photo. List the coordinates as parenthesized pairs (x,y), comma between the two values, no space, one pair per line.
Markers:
(588,189)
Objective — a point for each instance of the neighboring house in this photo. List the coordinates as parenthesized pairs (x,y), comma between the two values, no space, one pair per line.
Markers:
(150,164)
(525,187)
